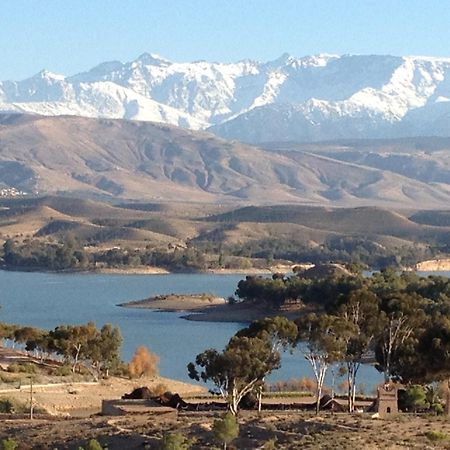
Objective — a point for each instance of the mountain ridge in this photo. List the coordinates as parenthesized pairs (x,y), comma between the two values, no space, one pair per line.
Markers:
(311,98)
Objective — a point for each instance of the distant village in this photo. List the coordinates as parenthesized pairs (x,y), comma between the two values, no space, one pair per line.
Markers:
(11,192)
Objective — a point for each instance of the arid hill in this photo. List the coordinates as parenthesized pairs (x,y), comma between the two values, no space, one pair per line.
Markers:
(110,159)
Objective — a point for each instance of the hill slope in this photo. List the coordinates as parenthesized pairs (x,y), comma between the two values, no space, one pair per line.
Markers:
(106,158)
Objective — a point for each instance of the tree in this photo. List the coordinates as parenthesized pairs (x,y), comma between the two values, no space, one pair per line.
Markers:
(73,341)
(243,364)
(226,429)
(433,356)
(104,349)
(360,314)
(143,363)
(402,320)
(322,345)
(279,331)
(415,398)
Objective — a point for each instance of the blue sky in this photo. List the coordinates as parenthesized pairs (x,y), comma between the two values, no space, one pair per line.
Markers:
(70,36)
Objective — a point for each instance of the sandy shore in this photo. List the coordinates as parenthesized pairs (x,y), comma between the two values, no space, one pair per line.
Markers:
(142,270)
(174,302)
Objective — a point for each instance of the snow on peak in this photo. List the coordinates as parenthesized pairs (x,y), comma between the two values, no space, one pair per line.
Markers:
(45,74)
(338,93)
(152,59)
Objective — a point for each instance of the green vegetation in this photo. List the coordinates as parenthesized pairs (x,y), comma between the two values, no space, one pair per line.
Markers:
(436,436)
(85,235)
(238,370)
(9,444)
(98,350)
(93,444)
(6,406)
(225,430)
(34,253)
(399,318)
(174,441)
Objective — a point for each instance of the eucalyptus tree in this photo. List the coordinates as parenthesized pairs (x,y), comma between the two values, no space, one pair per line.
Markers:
(238,369)
(360,314)
(279,331)
(320,338)
(402,320)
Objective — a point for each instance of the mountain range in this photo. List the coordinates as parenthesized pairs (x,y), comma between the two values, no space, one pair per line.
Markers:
(121,159)
(306,99)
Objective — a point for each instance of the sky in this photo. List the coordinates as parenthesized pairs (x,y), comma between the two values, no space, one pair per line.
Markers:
(70,36)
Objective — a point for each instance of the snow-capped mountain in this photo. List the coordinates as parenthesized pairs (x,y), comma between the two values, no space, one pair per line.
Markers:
(310,98)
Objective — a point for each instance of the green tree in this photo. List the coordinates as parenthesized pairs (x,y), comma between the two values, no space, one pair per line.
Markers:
(226,429)
(415,398)
(73,341)
(360,315)
(104,349)
(320,340)
(279,331)
(402,320)
(243,364)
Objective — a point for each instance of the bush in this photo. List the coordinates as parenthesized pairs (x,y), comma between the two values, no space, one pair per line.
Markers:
(226,429)
(271,444)
(6,406)
(143,363)
(22,368)
(93,444)
(304,384)
(436,436)
(415,398)
(9,444)
(174,441)
(63,371)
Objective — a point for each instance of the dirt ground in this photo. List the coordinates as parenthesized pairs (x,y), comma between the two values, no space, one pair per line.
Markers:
(290,431)
(84,398)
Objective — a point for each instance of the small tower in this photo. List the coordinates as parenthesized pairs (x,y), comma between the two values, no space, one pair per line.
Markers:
(387,400)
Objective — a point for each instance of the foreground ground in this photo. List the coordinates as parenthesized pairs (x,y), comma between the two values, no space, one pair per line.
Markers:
(291,431)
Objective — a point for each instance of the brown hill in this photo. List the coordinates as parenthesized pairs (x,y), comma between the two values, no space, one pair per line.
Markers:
(110,159)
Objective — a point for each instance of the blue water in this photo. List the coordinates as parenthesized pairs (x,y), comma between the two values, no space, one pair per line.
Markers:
(47,300)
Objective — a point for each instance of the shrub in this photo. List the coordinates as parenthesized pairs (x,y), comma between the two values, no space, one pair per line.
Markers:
(415,398)
(436,436)
(304,384)
(93,444)
(64,370)
(22,368)
(174,441)
(143,363)
(9,444)
(6,406)
(226,429)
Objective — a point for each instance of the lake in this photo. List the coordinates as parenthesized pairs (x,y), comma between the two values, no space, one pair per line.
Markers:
(47,300)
